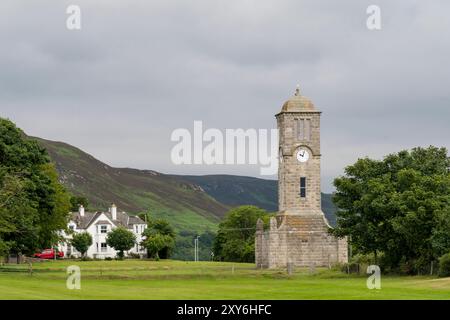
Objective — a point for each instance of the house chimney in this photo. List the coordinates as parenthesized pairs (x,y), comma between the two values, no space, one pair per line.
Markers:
(113,211)
(81,210)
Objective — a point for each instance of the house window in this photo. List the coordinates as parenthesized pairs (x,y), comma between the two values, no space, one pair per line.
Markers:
(303,187)
(71,227)
(304,129)
(103,229)
(104,247)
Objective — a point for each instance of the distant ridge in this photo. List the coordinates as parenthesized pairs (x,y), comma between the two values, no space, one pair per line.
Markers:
(237,190)
(184,204)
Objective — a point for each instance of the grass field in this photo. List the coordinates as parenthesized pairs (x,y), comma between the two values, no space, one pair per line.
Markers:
(138,279)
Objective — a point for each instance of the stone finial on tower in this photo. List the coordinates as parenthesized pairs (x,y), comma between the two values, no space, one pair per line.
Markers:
(259,225)
(297,90)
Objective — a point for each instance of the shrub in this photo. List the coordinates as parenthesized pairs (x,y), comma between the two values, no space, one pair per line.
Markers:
(81,241)
(406,268)
(351,267)
(132,255)
(444,265)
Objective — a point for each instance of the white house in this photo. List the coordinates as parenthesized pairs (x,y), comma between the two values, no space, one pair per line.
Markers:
(98,224)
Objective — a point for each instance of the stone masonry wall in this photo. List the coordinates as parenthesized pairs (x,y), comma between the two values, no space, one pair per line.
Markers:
(301,240)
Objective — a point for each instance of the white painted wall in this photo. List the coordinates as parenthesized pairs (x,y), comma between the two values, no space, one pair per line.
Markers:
(95,230)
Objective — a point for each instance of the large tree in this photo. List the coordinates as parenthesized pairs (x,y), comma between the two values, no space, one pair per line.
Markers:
(159,238)
(121,239)
(33,204)
(398,206)
(235,239)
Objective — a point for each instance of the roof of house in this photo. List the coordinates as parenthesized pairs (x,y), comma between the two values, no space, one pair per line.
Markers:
(123,219)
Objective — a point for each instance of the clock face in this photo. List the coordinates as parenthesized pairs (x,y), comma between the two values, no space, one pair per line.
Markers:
(302,155)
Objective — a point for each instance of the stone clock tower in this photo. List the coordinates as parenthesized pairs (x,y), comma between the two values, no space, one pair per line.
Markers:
(299,233)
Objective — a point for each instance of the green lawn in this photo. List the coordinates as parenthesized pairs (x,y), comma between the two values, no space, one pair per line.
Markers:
(137,279)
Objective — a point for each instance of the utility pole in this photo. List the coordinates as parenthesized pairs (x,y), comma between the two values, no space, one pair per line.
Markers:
(196,248)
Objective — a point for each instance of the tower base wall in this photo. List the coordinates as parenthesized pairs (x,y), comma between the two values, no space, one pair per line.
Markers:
(302,240)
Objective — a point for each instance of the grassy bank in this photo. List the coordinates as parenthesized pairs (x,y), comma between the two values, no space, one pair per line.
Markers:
(136,279)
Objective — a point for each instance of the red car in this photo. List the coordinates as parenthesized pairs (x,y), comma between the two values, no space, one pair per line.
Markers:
(49,254)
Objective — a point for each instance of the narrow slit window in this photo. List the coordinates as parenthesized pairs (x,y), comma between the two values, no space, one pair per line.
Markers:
(303,187)
(301,129)
(307,134)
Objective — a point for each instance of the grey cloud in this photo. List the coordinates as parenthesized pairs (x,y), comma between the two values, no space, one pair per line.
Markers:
(139,69)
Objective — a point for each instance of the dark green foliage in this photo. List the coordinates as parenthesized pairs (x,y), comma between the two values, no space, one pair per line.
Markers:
(81,241)
(235,240)
(444,265)
(159,238)
(440,238)
(33,205)
(76,201)
(398,206)
(121,240)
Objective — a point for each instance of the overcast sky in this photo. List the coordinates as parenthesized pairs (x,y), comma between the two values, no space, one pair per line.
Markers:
(137,70)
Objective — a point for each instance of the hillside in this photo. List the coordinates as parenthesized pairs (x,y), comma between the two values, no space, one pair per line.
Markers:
(184,204)
(237,190)
(194,203)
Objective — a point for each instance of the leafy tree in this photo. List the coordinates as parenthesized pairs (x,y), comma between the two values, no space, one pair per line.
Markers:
(4,248)
(398,206)
(81,241)
(57,205)
(440,239)
(76,201)
(33,205)
(161,226)
(18,218)
(121,240)
(235,240)
(156,242)
(159,238)
(444,265)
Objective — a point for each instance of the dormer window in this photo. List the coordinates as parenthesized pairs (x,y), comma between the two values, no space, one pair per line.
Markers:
(103,229)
